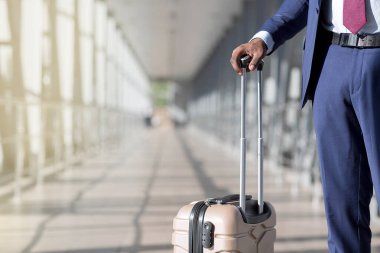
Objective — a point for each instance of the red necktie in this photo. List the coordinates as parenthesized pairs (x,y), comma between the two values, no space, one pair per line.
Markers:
(354,15)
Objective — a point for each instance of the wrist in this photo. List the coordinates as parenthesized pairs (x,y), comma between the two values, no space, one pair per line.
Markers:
(260,42)
(266,38)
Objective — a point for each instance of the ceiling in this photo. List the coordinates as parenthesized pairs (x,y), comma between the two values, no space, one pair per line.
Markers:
(172,38)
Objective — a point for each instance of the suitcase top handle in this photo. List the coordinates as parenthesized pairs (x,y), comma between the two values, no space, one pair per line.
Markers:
(226,199)
(244,63)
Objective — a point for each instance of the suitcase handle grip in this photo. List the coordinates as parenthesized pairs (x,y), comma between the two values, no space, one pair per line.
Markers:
(246,59)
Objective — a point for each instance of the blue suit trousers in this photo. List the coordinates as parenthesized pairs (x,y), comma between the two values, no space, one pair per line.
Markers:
(346,108)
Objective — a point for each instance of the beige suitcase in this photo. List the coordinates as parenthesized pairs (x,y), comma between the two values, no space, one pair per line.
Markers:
(235,223)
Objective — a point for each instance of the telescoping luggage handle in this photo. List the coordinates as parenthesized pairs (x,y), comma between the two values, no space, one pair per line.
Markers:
(244,62)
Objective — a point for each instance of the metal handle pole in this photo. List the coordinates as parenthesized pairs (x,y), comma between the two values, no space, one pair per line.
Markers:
(260,161)
(243,142)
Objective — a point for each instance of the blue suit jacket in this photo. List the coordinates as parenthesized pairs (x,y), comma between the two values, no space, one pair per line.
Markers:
(291,18)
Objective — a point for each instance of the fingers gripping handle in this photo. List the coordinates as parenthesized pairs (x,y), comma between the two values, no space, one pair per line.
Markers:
(244,62)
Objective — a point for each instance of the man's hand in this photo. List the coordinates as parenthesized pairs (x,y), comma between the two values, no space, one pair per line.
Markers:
(257,49)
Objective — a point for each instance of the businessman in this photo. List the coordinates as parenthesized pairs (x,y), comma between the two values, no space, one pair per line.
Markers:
(341,76)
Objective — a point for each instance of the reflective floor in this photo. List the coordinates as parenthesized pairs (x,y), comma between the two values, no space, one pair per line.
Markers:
(124,199)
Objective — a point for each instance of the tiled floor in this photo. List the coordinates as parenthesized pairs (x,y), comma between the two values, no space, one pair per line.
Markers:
(124,200)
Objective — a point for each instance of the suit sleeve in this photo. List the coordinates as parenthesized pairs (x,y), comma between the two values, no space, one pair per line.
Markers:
(287,22)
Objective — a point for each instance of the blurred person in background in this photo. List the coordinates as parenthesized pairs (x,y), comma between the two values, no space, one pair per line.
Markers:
(342,79)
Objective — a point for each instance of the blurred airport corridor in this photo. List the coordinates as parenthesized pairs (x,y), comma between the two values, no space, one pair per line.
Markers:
(115,113)
(124,199)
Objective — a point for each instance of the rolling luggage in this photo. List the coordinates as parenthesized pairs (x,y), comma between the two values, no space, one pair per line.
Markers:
(234,223)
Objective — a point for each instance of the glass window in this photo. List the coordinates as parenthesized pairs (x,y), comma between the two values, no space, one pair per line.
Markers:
(65,40)
(4,22)
(6,63)
(31,34)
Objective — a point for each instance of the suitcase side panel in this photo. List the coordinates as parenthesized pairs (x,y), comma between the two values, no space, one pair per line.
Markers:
(231,232)
(180,236)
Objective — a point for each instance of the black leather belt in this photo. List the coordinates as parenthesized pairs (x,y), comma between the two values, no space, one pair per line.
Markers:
(354,40)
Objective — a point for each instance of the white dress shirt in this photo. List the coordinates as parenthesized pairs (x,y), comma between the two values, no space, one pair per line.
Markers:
(332,20)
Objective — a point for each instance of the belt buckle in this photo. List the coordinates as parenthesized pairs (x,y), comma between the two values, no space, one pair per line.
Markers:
(366,41)
(362,41)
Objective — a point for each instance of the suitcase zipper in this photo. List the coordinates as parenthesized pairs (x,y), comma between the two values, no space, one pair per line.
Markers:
(194,226)
(199,235)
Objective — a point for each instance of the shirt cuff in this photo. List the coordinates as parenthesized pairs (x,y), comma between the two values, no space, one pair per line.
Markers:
(267,38)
